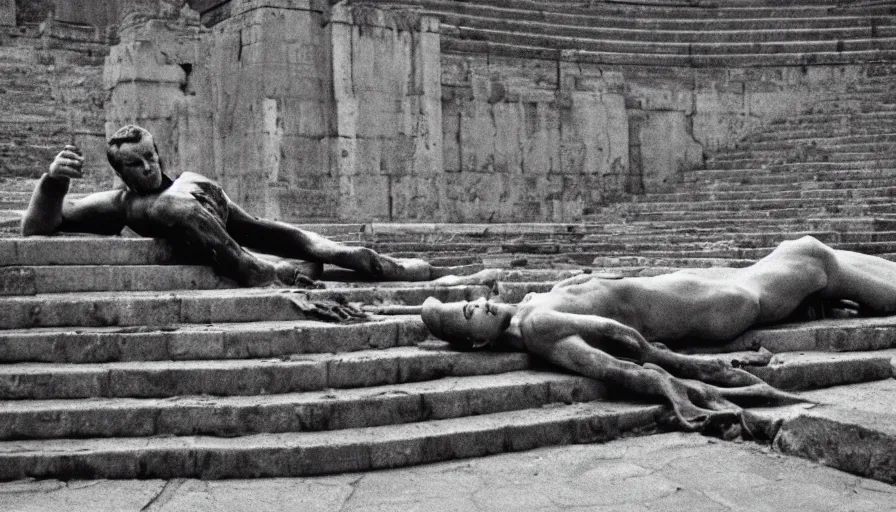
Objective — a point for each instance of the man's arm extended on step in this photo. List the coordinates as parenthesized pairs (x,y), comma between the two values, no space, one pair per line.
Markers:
(49,211)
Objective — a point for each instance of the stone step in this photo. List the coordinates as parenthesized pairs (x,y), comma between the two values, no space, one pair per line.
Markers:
(820,120)
(609,262)
(87,250)
(184,342)
(851,428)
(864,224)
(805,160)
(654,32)
(761,184)
(831,129)
(104,309)
(243,377)
(31,280)
(664,17)
(796,176)
(481,46)
(449,397)
(726,248)
(311,453)
(777,213)
(501,32)
(821,142)
(842,335)
(710,194)
(795,152)
(814,370)
(714,205)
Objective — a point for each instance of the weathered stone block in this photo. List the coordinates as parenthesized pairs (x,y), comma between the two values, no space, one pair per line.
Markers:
(364,197)
(417,197)
(667,148)
(300,158)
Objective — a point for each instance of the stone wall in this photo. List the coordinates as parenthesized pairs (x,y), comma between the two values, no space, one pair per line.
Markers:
(386,89)
(536,139)
(51,94)
(7,13)
(98,13)
(300,113)
(33,11)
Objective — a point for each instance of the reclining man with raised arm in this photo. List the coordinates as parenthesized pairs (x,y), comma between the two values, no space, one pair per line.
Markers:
(195,215)
(583,320)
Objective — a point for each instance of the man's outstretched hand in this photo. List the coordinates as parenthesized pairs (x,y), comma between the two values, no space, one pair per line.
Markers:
(327,310)
(68,163)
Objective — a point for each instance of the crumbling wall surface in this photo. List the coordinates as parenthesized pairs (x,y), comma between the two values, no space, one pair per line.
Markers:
(388,149)
(530,139)
(538,139)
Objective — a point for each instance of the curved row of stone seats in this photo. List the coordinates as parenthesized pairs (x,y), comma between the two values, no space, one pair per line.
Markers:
(647,38)
(643,27)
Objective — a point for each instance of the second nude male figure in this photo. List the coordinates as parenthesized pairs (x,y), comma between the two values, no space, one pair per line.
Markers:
(609,329)
(196,216)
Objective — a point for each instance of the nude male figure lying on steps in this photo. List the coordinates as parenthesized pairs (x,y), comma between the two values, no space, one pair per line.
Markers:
(196,216)
(583,320)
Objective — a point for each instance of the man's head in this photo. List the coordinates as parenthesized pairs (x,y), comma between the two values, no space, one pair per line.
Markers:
(467,325)
(133,154)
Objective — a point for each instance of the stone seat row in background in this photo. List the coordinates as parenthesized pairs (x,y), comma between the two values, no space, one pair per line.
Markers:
(662,35)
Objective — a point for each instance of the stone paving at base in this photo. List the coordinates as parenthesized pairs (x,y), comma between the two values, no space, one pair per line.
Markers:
(668,472)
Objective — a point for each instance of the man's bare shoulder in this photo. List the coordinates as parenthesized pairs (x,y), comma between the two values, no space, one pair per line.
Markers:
(192,177)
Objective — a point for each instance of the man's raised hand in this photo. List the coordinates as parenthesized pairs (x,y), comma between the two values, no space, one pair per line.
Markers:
(68,163)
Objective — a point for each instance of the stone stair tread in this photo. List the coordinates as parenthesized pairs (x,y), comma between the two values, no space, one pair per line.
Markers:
(500,31)
(658,16)
(292,412)
(841,335)
(459,45)
(261,339)
(305,372)
(307,453)
(851,428)
(813,370)
(31,280)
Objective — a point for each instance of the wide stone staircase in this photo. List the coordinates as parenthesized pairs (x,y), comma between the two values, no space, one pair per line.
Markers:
(117,361)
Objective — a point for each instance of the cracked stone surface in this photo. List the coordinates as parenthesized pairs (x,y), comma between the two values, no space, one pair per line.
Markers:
(668,472)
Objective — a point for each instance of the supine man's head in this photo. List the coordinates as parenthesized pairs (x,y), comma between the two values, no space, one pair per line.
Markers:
(467,325)
(133,155)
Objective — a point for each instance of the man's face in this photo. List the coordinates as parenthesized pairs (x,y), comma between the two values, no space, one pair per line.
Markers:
(481,319)
(139,166)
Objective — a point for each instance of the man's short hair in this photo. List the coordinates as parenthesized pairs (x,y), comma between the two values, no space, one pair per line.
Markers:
(130,133)
(433,322)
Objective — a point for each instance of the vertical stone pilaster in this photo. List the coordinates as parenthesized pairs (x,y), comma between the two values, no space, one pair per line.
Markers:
(387,89)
